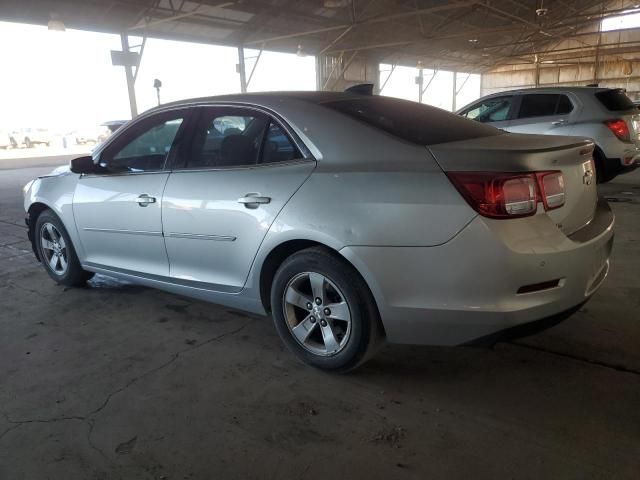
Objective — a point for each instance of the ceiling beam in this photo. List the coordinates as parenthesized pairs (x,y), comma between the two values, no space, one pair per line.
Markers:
(366,21)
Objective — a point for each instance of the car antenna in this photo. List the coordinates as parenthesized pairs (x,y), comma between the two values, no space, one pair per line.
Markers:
(361,89)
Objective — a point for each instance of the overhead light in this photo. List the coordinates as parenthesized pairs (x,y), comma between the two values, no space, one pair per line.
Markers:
(55,24)
(473,40)
(542,11)
(300,52)
(419,65)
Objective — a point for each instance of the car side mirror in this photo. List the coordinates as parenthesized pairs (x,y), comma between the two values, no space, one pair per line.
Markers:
(84,165)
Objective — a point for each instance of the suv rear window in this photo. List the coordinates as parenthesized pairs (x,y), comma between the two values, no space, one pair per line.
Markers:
(615,100)
(411,121)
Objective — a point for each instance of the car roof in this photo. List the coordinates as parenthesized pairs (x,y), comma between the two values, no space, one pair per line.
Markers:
(315,97)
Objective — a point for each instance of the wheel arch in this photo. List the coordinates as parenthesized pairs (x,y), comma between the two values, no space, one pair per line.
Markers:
(34,211)
(284,250)
(604,170)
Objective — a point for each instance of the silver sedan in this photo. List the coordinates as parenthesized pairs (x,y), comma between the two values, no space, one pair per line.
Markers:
(350,218)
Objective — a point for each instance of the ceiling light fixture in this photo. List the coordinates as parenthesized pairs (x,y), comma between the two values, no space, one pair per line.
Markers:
(541,12)
(300,52)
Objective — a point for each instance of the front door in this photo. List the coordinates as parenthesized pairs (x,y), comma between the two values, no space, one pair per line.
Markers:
(242,167)
(118,212)
(492,110)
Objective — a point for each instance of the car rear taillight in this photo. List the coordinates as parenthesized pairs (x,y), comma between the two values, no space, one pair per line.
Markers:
(510,195)
(619,128)
(551,189)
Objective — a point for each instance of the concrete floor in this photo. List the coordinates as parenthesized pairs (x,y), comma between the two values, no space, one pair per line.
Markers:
(118,381)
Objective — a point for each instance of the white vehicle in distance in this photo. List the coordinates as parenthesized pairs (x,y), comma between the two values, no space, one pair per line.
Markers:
(29,137)
(606,115)
(5,140)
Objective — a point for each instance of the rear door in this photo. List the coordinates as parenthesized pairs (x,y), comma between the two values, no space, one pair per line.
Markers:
(493,110)
(543,113)
(240,168)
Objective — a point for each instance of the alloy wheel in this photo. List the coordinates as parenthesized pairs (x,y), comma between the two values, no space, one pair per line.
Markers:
(317,313)
(54,249)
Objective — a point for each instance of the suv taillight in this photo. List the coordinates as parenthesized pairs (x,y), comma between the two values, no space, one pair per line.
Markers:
(619,128)
(510,195)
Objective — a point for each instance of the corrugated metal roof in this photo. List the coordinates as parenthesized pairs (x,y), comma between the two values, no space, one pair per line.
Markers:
(470,35)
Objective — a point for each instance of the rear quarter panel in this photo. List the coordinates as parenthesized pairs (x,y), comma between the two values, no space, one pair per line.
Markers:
(368,189)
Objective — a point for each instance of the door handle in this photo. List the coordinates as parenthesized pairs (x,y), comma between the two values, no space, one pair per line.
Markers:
(562,121)
(252,200)
(144,200)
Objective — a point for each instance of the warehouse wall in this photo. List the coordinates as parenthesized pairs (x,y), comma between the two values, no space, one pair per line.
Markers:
(577,61)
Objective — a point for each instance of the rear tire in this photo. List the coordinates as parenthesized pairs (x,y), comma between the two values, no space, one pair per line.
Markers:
(56,252)
(605,172)
(338,325)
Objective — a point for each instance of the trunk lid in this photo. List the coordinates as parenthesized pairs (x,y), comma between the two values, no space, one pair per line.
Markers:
(532,153)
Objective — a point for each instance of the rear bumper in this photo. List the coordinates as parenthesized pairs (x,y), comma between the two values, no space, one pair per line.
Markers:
(524,329)
(466,289)
(629,159)
(617,152)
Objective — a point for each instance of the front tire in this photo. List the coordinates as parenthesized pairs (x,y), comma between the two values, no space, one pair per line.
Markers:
(56,251)
(324,312)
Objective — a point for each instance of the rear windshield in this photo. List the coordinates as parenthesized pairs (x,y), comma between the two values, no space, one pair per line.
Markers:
(412,121)
(615,100)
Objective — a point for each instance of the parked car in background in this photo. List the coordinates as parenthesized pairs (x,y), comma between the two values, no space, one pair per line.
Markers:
(605,115)
(30,137)
(317,207)
(90,136)
(5,140)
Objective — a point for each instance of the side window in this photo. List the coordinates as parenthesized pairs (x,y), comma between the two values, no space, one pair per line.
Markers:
(538,105)
(493,109)
(277,147)
(564,105)
(149,148)
(226,137)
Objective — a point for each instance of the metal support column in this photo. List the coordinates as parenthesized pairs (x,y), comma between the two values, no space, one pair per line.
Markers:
(455,92)
(242,71)
(320,61)
(128,70)
(420,81)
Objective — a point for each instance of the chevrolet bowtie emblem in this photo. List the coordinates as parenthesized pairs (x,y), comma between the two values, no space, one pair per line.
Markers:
(587,178)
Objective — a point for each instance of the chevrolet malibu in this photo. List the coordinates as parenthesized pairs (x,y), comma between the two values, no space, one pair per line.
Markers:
(349,218)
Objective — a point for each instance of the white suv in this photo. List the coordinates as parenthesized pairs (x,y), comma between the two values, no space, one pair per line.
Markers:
(606,115)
